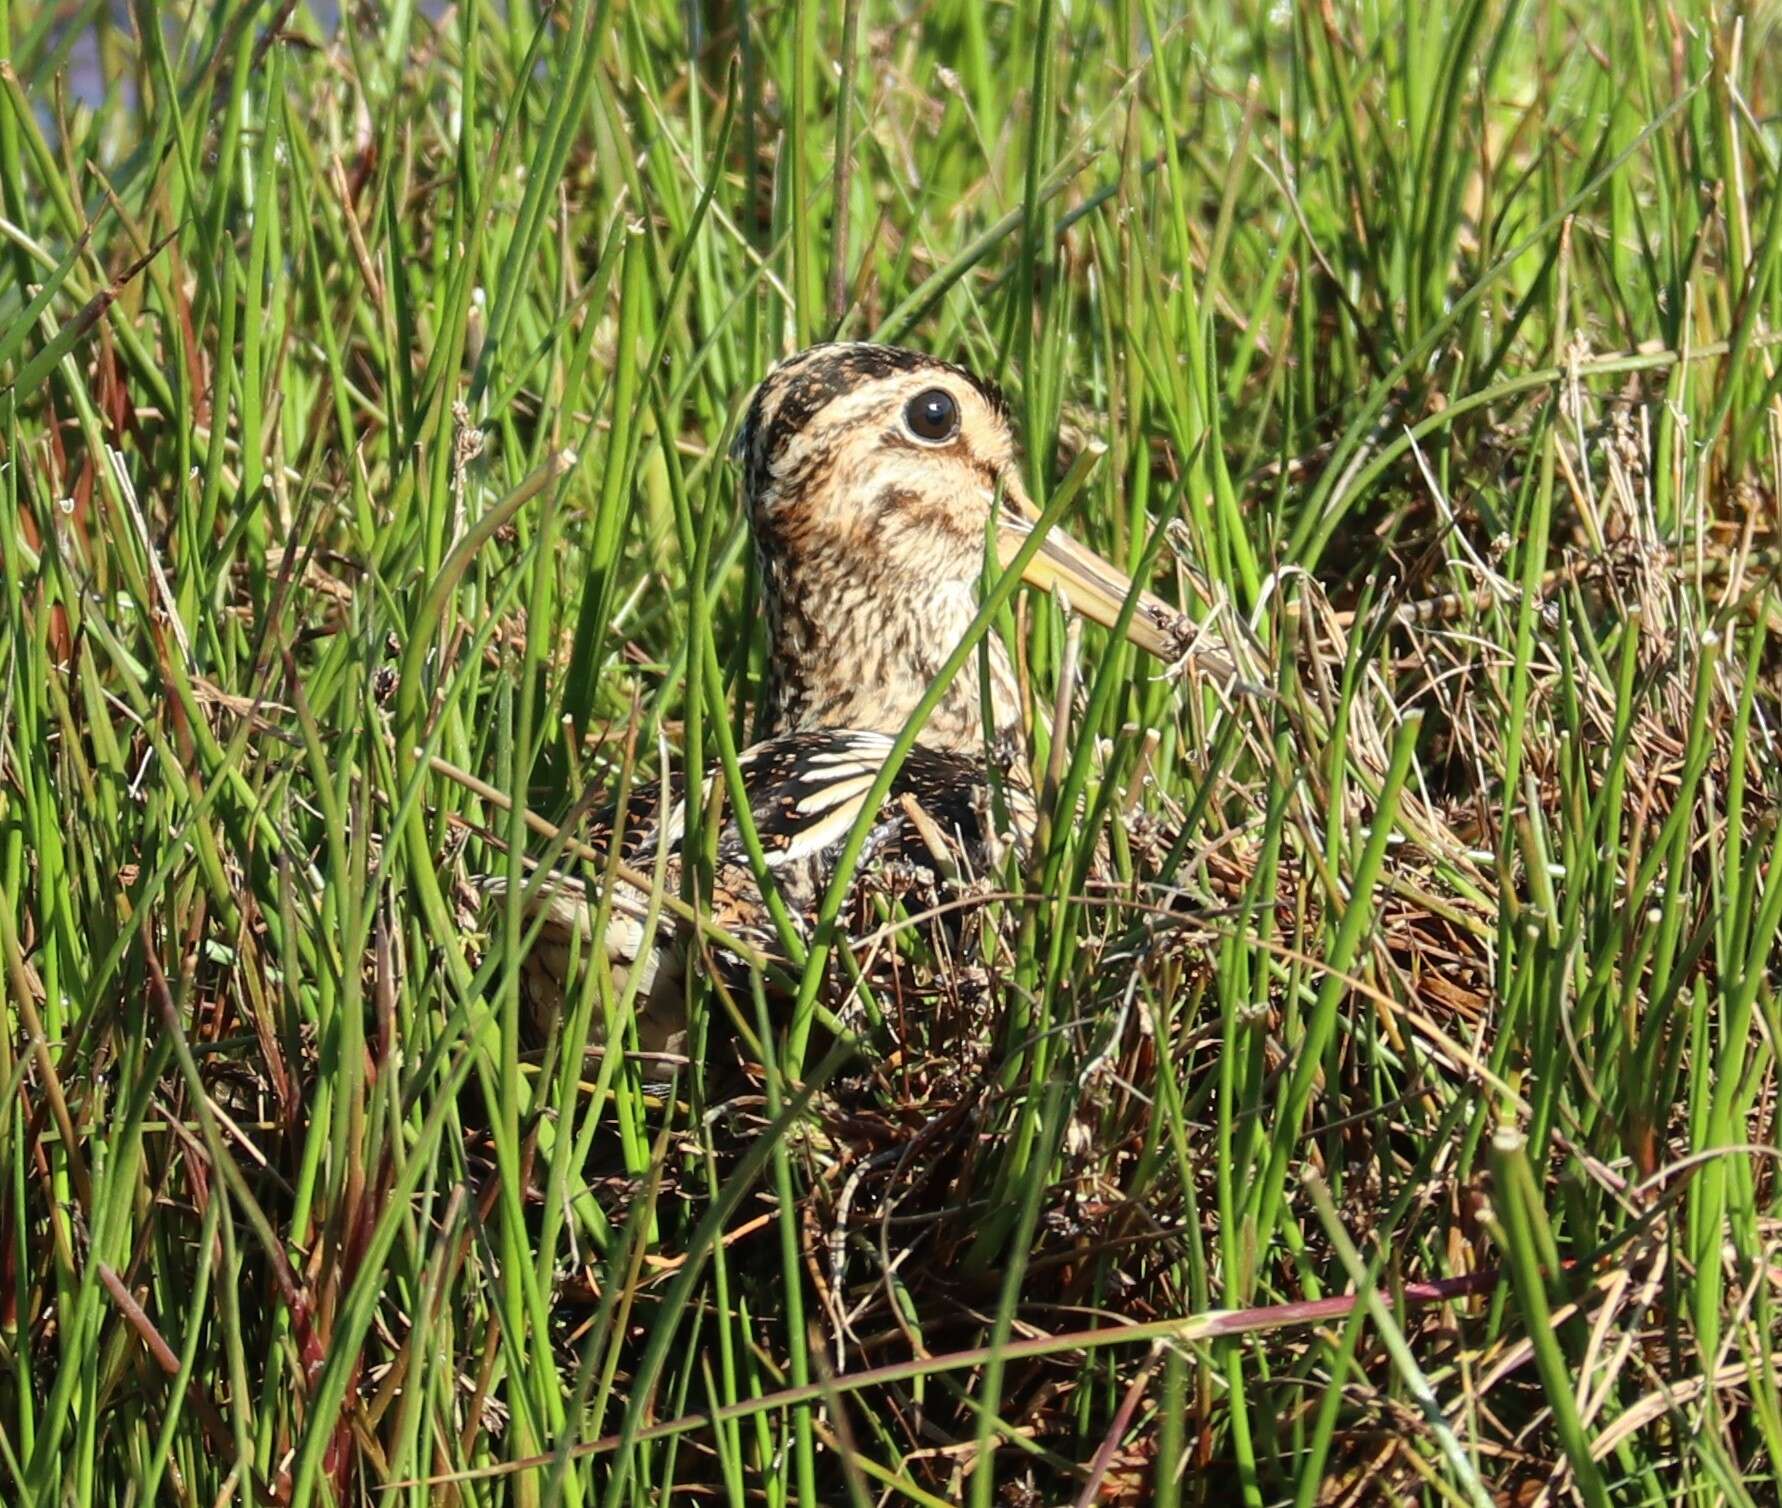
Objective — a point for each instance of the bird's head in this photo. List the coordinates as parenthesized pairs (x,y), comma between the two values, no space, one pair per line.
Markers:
(870,475)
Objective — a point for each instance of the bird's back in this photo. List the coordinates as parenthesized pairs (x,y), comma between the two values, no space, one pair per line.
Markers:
(940,829)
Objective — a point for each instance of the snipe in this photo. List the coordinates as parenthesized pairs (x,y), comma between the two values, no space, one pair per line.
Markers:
(871,476)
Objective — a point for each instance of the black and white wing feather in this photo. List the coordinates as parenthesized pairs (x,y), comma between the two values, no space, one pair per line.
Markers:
(805,791)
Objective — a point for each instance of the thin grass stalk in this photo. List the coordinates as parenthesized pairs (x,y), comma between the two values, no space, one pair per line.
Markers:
(1357,918)
(1520,1233)
(989,1400)
(824,933)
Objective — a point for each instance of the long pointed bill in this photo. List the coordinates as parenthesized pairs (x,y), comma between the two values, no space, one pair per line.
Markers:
(1095,588)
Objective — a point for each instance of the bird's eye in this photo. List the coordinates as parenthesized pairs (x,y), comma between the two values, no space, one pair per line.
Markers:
(932,415)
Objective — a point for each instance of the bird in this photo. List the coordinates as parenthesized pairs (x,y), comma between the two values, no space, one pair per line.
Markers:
(871,476)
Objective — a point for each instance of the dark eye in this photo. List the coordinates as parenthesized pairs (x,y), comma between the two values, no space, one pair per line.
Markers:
(932,415)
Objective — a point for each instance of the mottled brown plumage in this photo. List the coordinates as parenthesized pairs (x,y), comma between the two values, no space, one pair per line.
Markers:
(870,476)
(936,832)
(870,539)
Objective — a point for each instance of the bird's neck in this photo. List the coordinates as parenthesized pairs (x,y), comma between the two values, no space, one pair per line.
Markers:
(869,656)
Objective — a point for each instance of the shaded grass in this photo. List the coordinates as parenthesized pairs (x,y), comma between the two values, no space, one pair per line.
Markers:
(365,399)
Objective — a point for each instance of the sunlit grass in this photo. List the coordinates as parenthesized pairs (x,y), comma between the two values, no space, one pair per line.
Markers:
(1367,1090)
